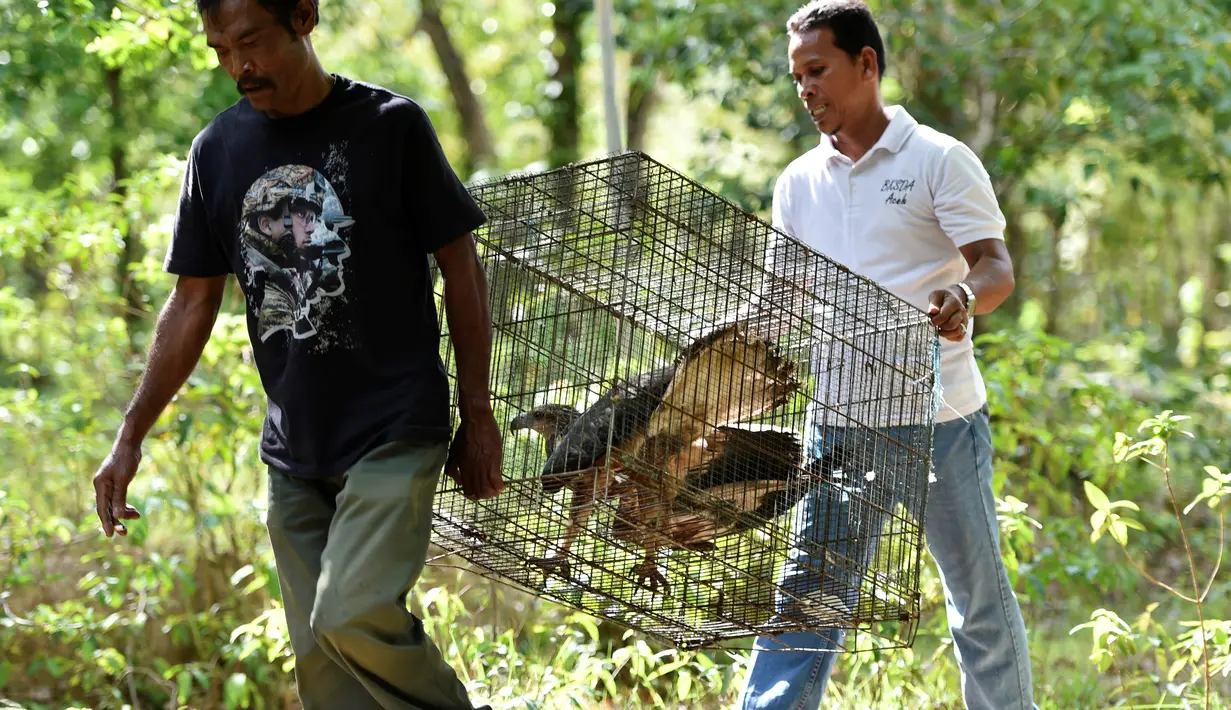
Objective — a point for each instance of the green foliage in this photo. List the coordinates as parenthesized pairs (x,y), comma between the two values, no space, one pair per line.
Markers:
(1203,651)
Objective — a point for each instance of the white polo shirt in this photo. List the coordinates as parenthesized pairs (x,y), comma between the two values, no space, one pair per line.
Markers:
(897,216)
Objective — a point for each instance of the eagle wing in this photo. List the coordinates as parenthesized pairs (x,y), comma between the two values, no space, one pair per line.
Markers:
(618,415)
(724,377)
(754,475)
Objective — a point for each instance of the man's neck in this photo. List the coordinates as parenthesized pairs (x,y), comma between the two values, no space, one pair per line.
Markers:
(860,133)
(308,94)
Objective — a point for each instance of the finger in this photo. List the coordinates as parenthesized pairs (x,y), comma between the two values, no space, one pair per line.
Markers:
(102,497)
(939,314)
(936,301)
(481,484)
(955,332)
(457,453)
(129,513)
(120,507)
(953,322)
(498,476)
(491,473)
(471,486)
(945,305)
(451,469)
(949,310)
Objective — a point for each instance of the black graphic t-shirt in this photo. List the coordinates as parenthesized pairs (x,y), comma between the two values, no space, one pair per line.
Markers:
(328,219)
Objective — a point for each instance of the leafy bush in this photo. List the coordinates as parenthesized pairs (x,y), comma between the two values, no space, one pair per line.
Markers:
(185,610)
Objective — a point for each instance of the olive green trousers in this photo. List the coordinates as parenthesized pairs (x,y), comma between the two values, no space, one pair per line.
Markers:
(348,550)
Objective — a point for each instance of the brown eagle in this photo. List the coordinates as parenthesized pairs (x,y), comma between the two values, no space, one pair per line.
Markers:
(684,474)
(550,421)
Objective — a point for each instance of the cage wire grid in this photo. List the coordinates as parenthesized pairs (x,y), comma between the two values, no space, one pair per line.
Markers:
(711,431)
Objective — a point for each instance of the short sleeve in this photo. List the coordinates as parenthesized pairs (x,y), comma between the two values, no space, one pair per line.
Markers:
(194,249)
(780,297)
(964,201)
(440,207)
(781,206)
(779,210)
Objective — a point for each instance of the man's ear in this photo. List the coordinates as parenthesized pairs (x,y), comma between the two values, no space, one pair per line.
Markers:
(867,61)
(304,18)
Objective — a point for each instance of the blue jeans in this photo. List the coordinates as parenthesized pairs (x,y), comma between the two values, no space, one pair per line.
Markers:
(962,535)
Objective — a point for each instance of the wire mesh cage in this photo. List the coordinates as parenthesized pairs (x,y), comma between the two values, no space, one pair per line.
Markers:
(713,432)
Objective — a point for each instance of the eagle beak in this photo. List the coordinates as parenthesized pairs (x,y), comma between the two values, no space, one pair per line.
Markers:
(521,421)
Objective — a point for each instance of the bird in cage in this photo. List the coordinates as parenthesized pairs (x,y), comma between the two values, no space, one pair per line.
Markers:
(549,421)
(576,446)
(723,378)
(665,445)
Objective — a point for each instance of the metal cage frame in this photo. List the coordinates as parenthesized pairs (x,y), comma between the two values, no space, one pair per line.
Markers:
(608,280)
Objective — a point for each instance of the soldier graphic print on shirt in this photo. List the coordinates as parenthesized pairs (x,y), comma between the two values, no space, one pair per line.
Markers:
(290,239)
(329,219)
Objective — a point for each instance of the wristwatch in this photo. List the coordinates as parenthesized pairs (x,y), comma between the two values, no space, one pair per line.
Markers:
(970,299)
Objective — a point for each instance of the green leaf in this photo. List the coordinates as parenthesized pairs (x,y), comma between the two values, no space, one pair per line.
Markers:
(1175,669)
(235,693)
(1120,448)
(684,685)
(1097,498)
(240,574)
(1104,662)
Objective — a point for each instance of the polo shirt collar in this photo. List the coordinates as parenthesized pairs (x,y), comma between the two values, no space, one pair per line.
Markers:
(901,126)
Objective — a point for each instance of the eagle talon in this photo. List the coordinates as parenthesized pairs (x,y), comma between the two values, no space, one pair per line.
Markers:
(647,571)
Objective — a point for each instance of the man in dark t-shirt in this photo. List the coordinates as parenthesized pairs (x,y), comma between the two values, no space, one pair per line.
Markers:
(325,197)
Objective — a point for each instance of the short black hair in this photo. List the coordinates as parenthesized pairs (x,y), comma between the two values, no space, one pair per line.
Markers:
(850,21)
(281,9)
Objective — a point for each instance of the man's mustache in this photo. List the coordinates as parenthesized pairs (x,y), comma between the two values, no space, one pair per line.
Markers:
(243,86)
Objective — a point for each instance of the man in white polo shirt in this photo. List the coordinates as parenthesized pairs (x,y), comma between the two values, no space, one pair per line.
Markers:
(913,210)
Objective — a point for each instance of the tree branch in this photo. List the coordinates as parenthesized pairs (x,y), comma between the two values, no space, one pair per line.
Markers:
(986,123)
(1222,541)
(480,147)
(642,97)
(1151,578)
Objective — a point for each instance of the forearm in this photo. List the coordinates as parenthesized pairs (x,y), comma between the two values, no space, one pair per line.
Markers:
(991,274)
(992,282)
(183,328)
(470,327)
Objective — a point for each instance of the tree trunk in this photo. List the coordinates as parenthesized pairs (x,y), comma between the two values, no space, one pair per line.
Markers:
(1220,275)
(1172,268)
(36,274)
(1019,250)
(34,268)
(564,115)
(642,97)
(130,251)
(481,150)
(1211,266)
(1055,302)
